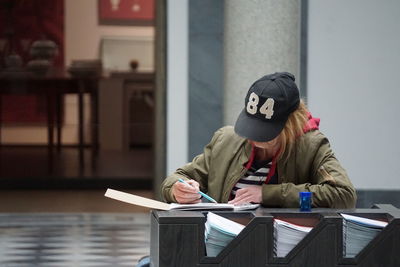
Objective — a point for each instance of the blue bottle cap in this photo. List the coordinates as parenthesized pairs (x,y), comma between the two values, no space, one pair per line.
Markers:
(305,194)
(305,201)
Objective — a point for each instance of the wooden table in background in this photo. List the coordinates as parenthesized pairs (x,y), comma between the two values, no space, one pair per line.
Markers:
(54,87)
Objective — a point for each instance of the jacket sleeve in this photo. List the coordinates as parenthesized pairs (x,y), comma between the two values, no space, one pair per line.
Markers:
(196,170)
(325,178)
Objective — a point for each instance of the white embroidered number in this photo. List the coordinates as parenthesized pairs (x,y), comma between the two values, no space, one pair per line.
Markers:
(268,108)
(252,104)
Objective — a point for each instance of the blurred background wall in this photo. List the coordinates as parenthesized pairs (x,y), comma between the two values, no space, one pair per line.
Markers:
(353,66)
(344,56)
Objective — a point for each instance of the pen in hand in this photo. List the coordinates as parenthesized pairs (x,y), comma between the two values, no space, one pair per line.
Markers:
(201,193)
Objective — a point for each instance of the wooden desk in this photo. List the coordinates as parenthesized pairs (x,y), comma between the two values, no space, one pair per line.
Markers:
(54,87)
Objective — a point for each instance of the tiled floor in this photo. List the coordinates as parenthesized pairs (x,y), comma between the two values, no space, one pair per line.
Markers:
(71,228)
(73,239)
(58,223)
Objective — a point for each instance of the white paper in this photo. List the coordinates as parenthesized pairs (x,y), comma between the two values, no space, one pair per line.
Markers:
(293,226)
(246,206)
(224,224)
(287,235)
(219,232)
(137,200)
(358,233)
(364,221)
(158,205)
(202,206)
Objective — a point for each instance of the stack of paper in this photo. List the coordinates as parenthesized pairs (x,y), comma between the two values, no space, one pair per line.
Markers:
(287,236)
(219,232)
(358,232)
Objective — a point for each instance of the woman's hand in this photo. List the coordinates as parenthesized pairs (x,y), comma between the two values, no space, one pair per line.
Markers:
(186,194)
(247,195)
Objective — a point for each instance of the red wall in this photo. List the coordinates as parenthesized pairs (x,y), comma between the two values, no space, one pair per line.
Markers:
(29,20)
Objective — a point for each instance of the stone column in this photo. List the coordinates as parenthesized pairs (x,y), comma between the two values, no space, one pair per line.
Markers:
(206,22)
(260,37)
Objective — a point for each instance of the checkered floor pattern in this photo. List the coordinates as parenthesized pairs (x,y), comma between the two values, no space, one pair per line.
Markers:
(71,239)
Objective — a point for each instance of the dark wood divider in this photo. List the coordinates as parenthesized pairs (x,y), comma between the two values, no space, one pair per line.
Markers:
(177,239)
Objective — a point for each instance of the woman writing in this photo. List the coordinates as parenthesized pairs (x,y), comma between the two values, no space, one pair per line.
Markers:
(274,152)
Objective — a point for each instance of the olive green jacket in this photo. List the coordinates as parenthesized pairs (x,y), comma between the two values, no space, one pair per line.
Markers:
(311,166)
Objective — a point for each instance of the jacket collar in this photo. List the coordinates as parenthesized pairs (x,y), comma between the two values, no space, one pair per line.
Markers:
(247,153)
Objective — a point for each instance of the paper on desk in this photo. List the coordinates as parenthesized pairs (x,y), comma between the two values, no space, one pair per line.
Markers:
(158,205)
(137,200)
(364,221)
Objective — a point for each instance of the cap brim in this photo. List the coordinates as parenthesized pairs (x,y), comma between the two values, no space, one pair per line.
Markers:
(255,129)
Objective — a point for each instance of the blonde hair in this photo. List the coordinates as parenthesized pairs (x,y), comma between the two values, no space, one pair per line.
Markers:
(293,128)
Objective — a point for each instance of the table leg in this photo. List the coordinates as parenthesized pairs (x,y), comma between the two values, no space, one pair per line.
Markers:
(80,127)
(1,130)
(94,123)
(1,117)
(59,105)
(50,130)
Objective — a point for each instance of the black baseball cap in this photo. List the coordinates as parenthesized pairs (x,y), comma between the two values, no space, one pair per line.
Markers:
(268,104)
